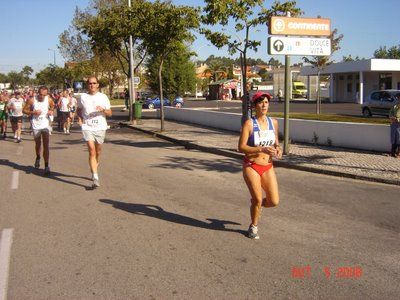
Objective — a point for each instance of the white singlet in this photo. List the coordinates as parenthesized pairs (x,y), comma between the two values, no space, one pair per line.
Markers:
(92,119)
(41,121)
(64,104)
(16,105)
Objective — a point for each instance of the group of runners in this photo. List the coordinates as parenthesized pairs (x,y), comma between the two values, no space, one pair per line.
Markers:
(258,138)
(92,109)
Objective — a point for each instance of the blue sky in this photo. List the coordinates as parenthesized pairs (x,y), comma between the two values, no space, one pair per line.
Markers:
(29,28)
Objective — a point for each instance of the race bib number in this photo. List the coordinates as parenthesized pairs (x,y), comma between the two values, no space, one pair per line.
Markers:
(263,139)
(93,122)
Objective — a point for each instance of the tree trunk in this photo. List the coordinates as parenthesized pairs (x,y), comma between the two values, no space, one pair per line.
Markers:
(161,94)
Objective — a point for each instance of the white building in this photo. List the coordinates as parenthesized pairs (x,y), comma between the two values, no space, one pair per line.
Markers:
(353,81)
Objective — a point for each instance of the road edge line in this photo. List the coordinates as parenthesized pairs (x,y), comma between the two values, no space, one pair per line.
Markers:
(5,255)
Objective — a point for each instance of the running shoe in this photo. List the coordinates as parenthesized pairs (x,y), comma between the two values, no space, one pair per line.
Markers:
(47,171)
(253,232)
(37,163)
(96,183)
(18,140)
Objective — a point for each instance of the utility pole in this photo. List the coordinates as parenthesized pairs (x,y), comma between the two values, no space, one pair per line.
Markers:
(288,84)
(132,93)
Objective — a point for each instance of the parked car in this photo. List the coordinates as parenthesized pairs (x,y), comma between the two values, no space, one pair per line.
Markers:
(178,102)
(379,102)
(156,103)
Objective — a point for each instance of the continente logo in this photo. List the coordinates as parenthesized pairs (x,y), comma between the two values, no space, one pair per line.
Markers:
(300,26)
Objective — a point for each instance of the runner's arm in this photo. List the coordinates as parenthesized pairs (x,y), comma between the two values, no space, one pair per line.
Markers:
(27,110)
(277,145)
(51,106)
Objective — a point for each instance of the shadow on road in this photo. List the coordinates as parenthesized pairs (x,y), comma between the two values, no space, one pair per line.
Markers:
(229,165)
(155,211)
(71,142)
(39,172)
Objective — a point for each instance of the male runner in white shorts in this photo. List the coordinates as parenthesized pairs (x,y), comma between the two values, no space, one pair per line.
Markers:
(93,108)
(41,107)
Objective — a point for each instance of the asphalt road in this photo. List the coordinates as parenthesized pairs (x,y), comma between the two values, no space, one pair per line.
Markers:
(170,223)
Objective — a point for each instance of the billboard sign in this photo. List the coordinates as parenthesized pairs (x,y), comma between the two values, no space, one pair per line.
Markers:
(299,46)
(300,26)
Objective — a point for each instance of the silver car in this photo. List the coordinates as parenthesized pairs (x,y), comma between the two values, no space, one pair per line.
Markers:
(379,102)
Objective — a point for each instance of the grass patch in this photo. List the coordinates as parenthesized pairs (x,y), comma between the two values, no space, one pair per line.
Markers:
(117,101)
(333,118)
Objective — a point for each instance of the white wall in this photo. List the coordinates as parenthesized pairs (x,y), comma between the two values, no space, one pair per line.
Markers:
(349,135)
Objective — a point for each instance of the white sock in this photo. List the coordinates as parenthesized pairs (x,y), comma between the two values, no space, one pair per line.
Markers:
(96,176)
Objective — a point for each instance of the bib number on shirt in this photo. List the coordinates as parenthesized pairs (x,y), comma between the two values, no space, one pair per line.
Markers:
(263,139)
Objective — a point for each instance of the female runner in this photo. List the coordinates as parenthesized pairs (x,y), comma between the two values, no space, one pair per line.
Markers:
(259,142)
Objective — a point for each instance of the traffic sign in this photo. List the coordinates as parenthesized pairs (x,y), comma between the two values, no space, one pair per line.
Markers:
(136,80)
(299,46)
(300,26)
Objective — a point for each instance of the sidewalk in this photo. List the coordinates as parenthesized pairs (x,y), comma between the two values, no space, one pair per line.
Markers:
(319,159)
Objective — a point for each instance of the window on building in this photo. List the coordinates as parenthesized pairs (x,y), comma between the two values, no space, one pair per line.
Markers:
(350,76)
(357,86)
(341,77)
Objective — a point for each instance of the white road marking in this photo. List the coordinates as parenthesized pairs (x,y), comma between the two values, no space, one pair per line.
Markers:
(14,180)
(19,150)
(5,251)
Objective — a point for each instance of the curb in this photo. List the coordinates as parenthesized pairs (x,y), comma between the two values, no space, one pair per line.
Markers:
(278,163)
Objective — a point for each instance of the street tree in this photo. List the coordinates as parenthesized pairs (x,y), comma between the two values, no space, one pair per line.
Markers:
(26,72)
(3,78)
(275,63)
(109,29)
(76,48)
(53,76)
(350,58)
(73,45)
(391,53)
(216,70)
(171,26)
(178,74)
(15,79)
(245,16)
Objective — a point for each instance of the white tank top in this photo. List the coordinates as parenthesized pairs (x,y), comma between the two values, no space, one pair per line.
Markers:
(261,137)
(64,104)
(41,121)
(16,107)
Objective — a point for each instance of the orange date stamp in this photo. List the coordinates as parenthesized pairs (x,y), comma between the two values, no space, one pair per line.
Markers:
(329,272)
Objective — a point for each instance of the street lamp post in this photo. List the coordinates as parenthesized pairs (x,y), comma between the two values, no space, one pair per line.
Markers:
(132,93)
(54,55)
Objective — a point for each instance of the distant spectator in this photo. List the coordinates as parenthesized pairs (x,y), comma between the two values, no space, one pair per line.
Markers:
(126,96)
(394,115)
(280,95)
